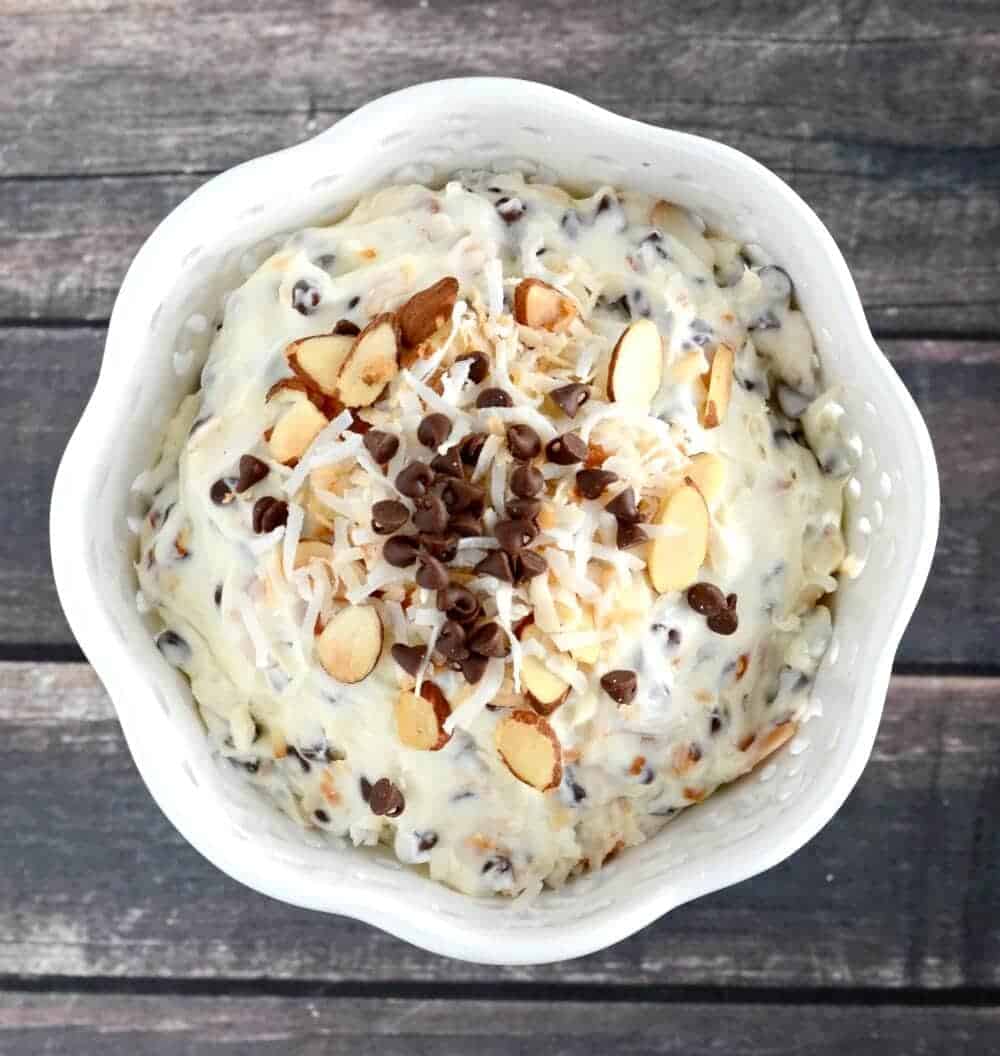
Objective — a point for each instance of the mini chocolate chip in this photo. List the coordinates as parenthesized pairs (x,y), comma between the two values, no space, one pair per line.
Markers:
(494,398)
(305,297)
(489,639)
(620,686)
(524,509)
(624,507)
(386,799)
(723,622)
(674,636)
(706,598)
(431,574)
(217,596)
(366,788)
(346,328)
(269,513)
(526,482)
(409,657)
(381,446)
(450,641)
(221,493)
(388,515)
(570,398)
(523,442)
(497,864)
(510,209)
(630,535)
(426,841)
(466,524)
(566,449)
(431,514)
(479,367)
(460,497)
(414,480)
(474,667)
(400,551)
(449,464)
(458,603)
(497,564)
(715,723)
(592,482)
(470,447)
(352,304)
(293,753)
(513,535)
(443,546)
(174,648)
(252,471)
(321,815)
(528,564)
(433,429)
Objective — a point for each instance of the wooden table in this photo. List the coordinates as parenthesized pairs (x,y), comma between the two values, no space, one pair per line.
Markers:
(883,935)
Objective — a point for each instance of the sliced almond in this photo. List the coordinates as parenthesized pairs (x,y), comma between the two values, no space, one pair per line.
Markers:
(372,363)
(530,748)
(675,558)
(320,359)
(295,431)
(539,305)
(581,619)
(545,691)
(420,718)
(720,387)
(708,474)
(636,368)
(311,550)
(673,220)
(762,747)
(427,311)
(351,644)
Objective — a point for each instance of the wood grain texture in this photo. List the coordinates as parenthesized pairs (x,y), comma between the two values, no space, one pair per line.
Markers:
(884,115)
(922,246)
(901,890)
(957,385)
(37,1024)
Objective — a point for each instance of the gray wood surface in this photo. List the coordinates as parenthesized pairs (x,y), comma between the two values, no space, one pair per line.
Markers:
(957,384)
(901,890)
(883,935)
(310,1026)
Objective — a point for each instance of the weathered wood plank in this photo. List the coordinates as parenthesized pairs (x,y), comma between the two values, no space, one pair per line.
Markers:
(901,890)
(141,87)
(49,373)
(170,1026)
(919,234)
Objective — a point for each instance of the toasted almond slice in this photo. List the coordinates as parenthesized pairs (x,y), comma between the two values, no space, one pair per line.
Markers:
(539,305)
(420,719)
(674,559)
(320,359)
(311,550)
(530,748)
(770,742)
(708,474)
(720,387)
(372,363)
(295,431)
(427,311)
(351,644)
(544,690)
(673,220)
(636,366)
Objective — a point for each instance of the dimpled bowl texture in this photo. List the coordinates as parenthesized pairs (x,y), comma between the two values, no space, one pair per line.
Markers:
(157,340)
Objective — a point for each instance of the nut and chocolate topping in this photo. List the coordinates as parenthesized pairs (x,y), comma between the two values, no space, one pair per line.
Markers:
(461,552)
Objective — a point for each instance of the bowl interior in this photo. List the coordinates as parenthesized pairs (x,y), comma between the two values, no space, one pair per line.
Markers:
(162,325)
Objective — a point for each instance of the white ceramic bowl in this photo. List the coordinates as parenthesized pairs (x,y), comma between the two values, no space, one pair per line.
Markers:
(156,341)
